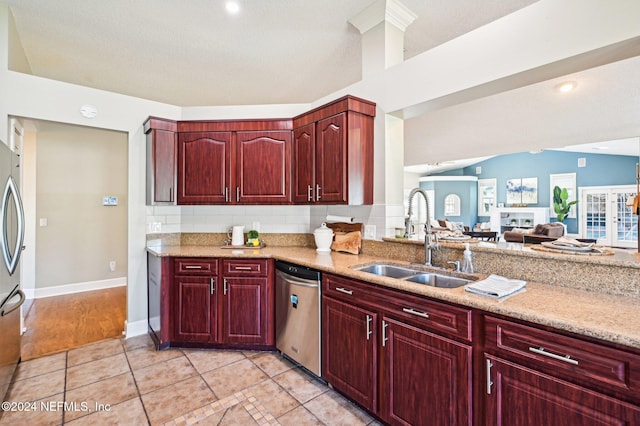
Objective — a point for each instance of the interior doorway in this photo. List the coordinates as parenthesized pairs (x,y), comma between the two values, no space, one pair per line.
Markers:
(75,195)
(606,217)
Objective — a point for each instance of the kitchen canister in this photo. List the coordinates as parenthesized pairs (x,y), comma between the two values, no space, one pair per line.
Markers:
(323,237)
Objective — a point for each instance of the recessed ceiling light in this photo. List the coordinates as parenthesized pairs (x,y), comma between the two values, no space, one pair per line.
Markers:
(232,7)
(88,111)
(566,86)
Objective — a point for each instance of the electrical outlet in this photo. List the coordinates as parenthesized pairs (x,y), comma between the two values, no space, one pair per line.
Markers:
(112,265)
(370,232)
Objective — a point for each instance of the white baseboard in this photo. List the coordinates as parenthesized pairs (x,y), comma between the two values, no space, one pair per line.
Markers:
(60,290)
(136,328)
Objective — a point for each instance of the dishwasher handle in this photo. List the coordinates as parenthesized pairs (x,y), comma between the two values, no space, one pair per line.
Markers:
(303,283)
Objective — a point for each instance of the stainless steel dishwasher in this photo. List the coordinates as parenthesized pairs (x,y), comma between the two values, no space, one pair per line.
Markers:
(298,314)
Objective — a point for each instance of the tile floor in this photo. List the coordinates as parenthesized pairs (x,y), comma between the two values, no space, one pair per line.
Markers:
(128,382)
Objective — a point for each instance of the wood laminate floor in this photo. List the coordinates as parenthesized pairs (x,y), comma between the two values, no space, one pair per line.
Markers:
(60,323)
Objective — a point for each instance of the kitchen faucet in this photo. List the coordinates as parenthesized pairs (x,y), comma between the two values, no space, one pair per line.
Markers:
(430,240)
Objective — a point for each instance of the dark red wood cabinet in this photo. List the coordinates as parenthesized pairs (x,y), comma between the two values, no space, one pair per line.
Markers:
(333,153)
(209,302)
(380,351)
(204,167)
(247,302)
(161,161)
(350,350)
(535,376)
(195,307)
(263,167)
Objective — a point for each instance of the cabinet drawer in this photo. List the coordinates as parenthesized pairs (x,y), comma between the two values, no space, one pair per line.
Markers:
(418,311)
(195,266)
(565,357)
(245,267)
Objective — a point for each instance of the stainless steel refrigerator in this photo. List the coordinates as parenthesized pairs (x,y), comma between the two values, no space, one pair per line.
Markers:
(11,240)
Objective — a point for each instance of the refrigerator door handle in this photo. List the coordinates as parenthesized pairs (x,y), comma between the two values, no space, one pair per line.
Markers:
(7,310)
(10,261)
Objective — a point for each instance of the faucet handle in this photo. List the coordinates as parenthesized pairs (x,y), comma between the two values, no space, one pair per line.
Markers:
(456,264)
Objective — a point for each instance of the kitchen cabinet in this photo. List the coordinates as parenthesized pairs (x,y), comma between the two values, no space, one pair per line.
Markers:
(536,376)
(194,300)
(333,153)
(263,167)
(204,167)
(161,161)
(350,350)
(420,348)
(247,302)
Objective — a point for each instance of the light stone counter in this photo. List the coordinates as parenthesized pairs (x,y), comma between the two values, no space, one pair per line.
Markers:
(610,317)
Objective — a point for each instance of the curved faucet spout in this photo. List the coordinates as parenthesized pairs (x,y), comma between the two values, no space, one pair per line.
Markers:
(428,237)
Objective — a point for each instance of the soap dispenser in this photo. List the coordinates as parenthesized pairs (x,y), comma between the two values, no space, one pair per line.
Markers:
(467,264)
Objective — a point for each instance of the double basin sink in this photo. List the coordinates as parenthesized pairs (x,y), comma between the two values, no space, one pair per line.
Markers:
(418,276)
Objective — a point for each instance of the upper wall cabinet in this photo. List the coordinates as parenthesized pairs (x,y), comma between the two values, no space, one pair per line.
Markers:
(328,158)
(161,161)
(333,153)
(204,167)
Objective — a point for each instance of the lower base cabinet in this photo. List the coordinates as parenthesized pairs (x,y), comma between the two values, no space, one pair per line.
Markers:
(517,395)
(380,356)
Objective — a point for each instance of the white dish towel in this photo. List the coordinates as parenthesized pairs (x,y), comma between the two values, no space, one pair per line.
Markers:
(496,286)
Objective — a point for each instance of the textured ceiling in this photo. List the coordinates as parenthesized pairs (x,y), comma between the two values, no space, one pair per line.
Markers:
(192,53)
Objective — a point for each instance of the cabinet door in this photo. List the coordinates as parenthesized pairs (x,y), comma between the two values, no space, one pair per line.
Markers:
(161,171)
(263,167)
(204,167)
(349,344)
(425,378)
(194,309)
(304,164)
(244,308)
(520,396)
(331,161)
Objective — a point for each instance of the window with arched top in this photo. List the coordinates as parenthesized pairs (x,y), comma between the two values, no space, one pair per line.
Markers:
(452,205)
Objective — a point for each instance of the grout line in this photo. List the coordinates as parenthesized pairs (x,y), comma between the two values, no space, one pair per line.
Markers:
(135,383)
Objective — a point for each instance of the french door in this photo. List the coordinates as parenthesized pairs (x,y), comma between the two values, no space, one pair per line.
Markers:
(605,216)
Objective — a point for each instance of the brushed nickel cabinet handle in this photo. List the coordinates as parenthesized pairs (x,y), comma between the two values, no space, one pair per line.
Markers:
(226,194)
(369,332)
(309,193)
(212,285)
(542,351)
(237,194)
(318,192)
(224,287)
(242,268)
(384,333)
(414,312)
(344,290)
(489,382)
(192,267)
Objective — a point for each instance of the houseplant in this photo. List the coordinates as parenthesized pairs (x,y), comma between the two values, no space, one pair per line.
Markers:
(560,205)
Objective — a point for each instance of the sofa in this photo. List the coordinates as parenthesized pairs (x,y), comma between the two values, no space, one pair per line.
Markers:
(541,232)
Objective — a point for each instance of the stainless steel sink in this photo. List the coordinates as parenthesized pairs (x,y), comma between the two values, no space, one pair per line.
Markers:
(418,276)
(386,270)
(437,280)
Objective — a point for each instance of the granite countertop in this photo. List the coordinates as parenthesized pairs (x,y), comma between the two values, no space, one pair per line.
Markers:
(607,317)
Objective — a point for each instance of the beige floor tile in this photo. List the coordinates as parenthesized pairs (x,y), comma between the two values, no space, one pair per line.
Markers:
(157,376)
(110,391)
(204,360)
(37,387)
(38,416)
(234,377)
(272,363)
(300,385)
(333,409)
(275,399)
(94,351)
(137,342)
(144,357)
(97,370)
(299,417)
(179,398)
(43,365)
(125,413)
(236,416)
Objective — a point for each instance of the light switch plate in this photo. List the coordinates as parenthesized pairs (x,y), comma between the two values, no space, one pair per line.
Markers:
(370,232)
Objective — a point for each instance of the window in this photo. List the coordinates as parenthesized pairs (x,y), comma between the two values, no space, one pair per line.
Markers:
(452,205)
